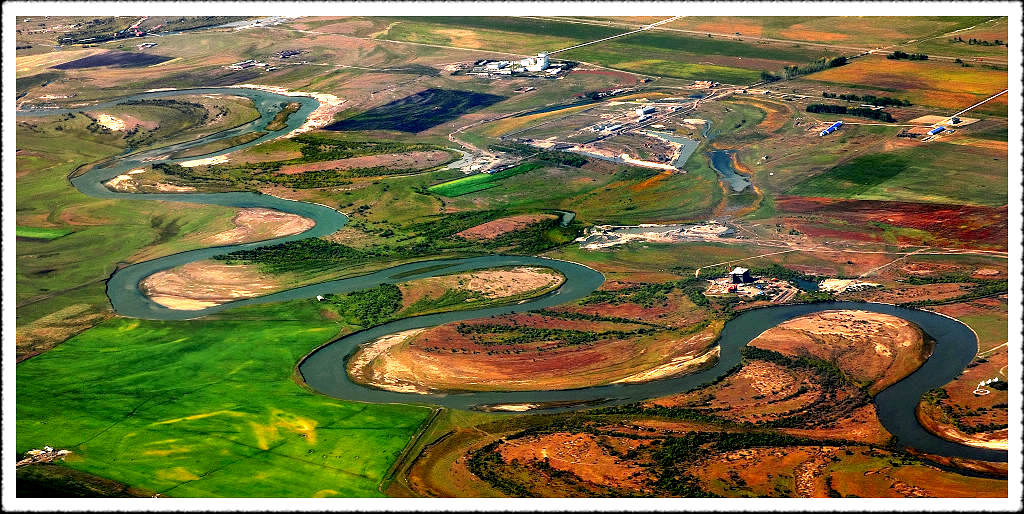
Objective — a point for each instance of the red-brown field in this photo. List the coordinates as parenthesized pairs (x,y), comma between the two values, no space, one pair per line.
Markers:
(530,351)
(583,455)
(613,458)
(900,294)
(931,83)
(950,225)
(495,228)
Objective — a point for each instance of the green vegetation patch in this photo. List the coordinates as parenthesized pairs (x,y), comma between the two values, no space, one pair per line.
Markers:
(368,307)
(281,118)
(480,181)
(314,148)
(662,64)
(433,237)
(40,232)
(934,173)
(220,144)
(206,408)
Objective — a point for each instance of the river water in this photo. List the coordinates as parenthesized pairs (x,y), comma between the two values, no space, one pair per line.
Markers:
(324,369)
(721,161)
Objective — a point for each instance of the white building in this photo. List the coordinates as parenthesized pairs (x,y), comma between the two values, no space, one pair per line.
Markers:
(641,111)
(538,63)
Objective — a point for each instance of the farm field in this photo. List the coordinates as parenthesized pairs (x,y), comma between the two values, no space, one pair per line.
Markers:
(867,31)
(917,174)
(416,113)
(942,85)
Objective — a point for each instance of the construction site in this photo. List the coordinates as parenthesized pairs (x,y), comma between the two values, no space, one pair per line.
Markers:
(648,131)
(606,236)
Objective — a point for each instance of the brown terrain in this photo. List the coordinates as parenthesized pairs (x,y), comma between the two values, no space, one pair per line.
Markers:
(910,293)
(619,458)
(765,392)
(676,312)
(823,471)
(582,455)
(495,228)
(871,348)
(408,160)
(201,284)
(458,356)
(48,331)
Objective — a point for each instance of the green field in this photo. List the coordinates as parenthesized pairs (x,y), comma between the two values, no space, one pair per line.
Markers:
(41,233)
(936,173)
(206,408)
(480,181)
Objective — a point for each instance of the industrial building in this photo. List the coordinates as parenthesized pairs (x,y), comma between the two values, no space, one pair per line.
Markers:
(835,126)
(641,111)
(936,130)
(242,65)
(740,276)
(539,63)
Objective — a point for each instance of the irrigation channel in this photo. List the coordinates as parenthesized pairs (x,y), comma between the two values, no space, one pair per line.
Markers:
(324,368)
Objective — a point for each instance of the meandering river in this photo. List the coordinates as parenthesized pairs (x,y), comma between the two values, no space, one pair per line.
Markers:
(324,369)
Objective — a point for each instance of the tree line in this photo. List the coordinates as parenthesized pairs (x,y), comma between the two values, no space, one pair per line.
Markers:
(881,101)
(863,112)
(899,54)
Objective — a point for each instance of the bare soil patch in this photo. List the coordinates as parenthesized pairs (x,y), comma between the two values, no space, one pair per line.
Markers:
(495,228)
(489,284)
(202,284)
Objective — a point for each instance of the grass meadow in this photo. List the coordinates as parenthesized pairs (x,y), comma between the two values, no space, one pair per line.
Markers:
(206,408)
